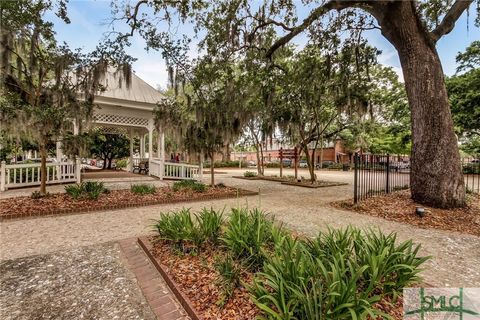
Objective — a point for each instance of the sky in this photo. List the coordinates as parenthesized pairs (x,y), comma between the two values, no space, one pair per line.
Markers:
(89,21)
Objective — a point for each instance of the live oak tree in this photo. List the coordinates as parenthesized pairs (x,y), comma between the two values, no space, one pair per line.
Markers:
(44,86)
(412,27)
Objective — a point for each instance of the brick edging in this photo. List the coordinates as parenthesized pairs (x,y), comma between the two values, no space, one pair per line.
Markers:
(241,192)
(146,245)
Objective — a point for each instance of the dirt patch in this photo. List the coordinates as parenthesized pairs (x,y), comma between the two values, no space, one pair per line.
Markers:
(62,203)
(400,207)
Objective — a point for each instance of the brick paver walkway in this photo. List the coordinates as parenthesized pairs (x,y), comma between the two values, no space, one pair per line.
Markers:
(159,297)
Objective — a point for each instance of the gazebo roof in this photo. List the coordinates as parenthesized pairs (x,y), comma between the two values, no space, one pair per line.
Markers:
(138,91)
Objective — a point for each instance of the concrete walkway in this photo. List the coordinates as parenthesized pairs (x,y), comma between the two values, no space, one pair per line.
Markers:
(456,257)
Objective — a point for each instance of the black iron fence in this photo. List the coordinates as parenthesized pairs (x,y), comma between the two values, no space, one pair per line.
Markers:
(377,174)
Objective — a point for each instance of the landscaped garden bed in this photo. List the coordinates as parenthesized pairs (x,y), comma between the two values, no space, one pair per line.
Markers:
(246,266)
(96,198)
(316,184)
(290,180)
(398,206)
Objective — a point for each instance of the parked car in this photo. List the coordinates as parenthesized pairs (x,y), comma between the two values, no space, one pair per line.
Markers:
(287,163)
(399,165)
(251,163)
(303,164)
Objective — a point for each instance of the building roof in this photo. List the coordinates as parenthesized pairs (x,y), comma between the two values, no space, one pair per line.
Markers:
(138,91)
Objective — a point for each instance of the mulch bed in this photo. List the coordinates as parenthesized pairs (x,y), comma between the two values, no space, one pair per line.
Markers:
(196,278)
(398,206)
(61,203)
(193,279)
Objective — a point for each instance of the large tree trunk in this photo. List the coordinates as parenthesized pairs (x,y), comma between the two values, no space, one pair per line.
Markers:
(43,170)
(436,177)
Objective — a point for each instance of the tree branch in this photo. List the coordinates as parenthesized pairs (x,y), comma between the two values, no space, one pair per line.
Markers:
(450,18)
(314,15)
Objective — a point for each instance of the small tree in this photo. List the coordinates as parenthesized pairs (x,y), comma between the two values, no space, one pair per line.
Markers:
(41,81)
(109,147)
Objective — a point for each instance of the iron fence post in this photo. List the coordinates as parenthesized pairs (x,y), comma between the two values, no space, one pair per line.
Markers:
(387,183)
(355,179)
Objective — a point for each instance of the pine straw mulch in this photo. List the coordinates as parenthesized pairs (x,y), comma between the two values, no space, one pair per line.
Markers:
(196,276)
(61,202)
(398,206)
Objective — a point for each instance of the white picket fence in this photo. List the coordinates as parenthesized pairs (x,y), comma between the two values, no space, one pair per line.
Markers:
(171,170)
(29,174)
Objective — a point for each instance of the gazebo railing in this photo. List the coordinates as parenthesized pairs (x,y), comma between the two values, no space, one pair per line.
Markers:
(29,174)
(177,171)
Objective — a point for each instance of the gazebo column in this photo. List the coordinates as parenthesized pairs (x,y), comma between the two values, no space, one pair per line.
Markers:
(161,151)
(78,166)
(59,156)
(142,146)
(130,157)
(150,141)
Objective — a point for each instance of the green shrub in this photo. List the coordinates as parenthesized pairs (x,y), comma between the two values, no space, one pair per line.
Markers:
(210,222)
(142,188)
(229,272)
(122,163)
(272,165)
(226,164)
(340,274)
(176,227)
(94,189)
(75,191)
(189,185)
(247,235)
(90,190)
(249,174)
(182,227)
(38,195)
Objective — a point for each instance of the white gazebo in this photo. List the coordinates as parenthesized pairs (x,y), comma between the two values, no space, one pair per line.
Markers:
(121,109)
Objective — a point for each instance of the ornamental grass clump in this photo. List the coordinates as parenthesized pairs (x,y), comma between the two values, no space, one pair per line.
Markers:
(142,188)
(247,236)
(86,190)
(340,274)
(249,174)
(185,229)
(229,272)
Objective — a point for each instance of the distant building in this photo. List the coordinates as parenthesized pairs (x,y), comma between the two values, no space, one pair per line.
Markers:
(333,151)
